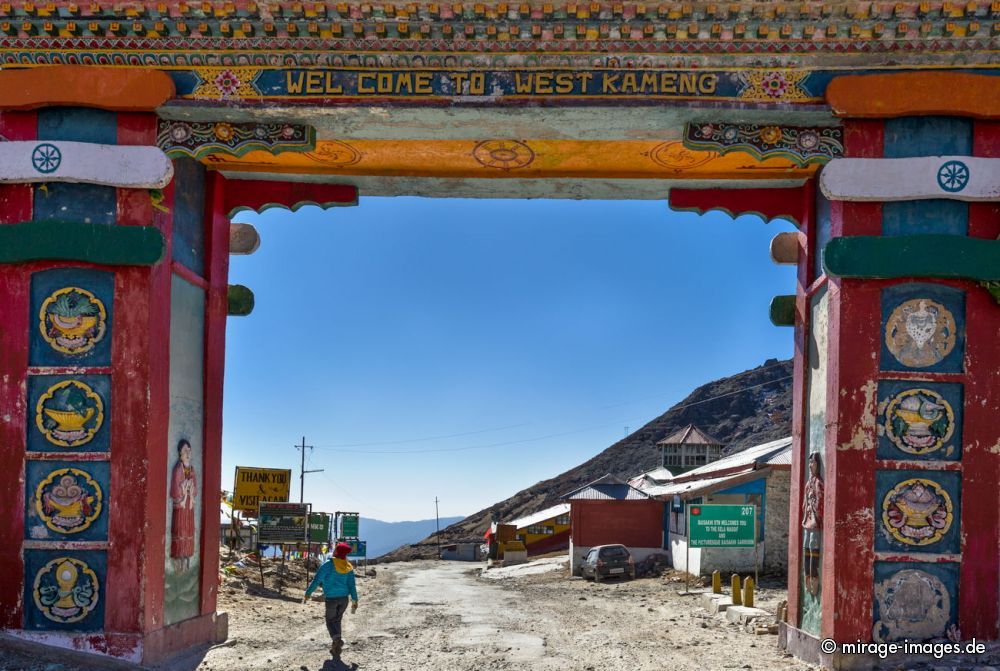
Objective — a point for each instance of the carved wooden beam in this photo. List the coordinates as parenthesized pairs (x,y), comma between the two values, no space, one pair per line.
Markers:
(241,300)
(121,166)
(783,310)
(890,179)
(109,88)
(785,248)
(936,256)
(790,204)
(77,241)
(259,195)
(915,94)
(243,239)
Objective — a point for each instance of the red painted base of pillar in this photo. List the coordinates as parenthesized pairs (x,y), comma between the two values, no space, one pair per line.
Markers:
(151,648)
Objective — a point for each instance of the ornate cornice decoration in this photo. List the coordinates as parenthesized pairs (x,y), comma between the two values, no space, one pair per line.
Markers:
(197,139)
(804,145)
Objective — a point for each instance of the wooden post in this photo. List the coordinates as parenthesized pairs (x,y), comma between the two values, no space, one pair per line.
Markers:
(734,584)
(716,582)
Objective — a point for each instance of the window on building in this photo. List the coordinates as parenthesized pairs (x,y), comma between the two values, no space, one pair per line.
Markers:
(562,519)
(540,529)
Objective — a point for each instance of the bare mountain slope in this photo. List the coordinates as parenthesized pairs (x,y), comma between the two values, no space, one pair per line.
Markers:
(746,409)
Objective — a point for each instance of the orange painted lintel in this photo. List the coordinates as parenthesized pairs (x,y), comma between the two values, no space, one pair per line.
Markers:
(915,94)
(114,89)
(537,159)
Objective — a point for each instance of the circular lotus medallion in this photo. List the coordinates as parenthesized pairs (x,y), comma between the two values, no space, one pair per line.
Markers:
(920,333)
(68,500)
(66,590)
(503,154)
(676,156)
(331,152)
(917,511)
(919,421)
(69,413)
(72,320)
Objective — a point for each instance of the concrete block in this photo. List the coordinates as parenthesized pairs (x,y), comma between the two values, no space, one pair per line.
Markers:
(715,603)
(742,614)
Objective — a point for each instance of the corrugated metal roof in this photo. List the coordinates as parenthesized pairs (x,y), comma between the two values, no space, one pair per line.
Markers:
(759,454)
(692,488)
(781,459)
(541,516)
(607,487)
(689,435)
(657,476)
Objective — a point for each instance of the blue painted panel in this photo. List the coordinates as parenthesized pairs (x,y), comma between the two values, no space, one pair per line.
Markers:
(927,136)
(189,214)
(67,500)
(69,413)
(918,511)
(914,217)
(914,600)
(76,327)
(79,124)
(64,590)
(923,328)
(88,203)
(919,420)
(752,487)
(823,233)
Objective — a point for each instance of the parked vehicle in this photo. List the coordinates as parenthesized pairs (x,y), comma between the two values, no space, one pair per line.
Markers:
(608,561)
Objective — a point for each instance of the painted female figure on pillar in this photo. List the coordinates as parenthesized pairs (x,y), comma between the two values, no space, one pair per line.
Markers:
(183,492)
(812,524)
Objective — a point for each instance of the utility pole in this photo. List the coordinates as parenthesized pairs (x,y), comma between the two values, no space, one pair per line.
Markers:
(303,471)
(437,525)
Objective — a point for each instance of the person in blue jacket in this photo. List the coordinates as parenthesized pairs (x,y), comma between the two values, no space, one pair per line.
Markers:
(336,577)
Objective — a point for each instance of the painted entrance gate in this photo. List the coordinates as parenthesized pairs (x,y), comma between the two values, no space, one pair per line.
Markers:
(131,132)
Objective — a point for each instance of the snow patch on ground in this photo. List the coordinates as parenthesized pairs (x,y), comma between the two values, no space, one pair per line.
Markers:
(531,568)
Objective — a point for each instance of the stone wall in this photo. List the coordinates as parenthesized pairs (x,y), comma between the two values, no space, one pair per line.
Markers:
(776,522)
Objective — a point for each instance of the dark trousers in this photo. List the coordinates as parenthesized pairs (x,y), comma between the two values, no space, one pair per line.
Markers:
(335,609)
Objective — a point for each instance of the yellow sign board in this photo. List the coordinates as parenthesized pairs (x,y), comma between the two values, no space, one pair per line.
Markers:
(254,485)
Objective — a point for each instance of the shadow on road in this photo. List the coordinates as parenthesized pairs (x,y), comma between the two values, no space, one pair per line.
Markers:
(338,665)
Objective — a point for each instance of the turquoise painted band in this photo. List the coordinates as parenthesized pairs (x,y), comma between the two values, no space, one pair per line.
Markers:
(934,256)
(73,241)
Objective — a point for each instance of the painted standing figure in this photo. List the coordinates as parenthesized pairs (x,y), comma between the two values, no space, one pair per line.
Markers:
(183,492)
(812,523)
(336,577)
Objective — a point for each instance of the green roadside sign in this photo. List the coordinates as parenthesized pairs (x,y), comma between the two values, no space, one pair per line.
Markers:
(349,526)
(319,528)
(716,525)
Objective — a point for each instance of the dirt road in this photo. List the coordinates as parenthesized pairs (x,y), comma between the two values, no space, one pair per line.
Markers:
(442,616)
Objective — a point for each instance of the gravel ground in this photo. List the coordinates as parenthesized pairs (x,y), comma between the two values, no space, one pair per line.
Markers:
(444,616)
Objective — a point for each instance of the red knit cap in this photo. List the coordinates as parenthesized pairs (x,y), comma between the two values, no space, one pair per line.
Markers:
(342,550)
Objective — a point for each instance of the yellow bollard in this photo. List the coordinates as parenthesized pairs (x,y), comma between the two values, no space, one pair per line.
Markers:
(748,592)
(716,582)
(737,596)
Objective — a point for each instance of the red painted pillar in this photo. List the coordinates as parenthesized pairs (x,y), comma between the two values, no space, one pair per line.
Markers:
(890,571)
(123,552)
(849,450)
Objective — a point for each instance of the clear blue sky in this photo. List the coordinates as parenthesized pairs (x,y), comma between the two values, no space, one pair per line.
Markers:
(538,329)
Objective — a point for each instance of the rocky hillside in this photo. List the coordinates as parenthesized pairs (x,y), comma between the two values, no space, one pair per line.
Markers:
(743,410)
